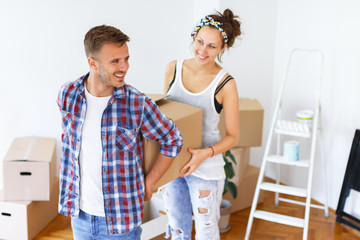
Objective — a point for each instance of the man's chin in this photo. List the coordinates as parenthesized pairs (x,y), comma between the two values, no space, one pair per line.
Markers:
(119,85)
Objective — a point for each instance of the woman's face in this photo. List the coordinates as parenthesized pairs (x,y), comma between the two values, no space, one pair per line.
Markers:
(207,45)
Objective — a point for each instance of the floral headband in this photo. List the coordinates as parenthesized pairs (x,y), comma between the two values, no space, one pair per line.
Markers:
(210,21)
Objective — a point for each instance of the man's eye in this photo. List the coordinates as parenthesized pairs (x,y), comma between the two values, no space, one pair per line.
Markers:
(115,61)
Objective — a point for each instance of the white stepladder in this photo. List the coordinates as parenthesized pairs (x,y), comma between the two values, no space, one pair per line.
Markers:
(297,130)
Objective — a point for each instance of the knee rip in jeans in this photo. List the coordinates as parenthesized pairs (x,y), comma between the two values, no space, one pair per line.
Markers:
(205,197)
(176,231)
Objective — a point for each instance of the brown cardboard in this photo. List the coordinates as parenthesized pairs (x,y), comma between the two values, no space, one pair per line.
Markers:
(29,169)
(25,219)
(242,158)
(189,121)
(251,115)
(246,190)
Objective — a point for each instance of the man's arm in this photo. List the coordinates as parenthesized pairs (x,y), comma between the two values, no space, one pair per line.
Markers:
(157,127)
(160,166)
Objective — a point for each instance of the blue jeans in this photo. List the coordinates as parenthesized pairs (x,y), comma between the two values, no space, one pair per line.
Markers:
(182,198)
(87,227)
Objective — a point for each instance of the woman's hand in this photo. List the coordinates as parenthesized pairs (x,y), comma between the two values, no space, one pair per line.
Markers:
(197,156)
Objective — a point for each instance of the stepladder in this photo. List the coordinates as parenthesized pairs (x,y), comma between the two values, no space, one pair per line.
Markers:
(292,141)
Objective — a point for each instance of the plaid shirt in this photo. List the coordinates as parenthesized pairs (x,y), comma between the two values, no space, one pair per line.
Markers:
(128,116)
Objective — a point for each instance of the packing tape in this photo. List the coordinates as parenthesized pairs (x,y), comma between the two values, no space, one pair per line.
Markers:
(291,150)
(30,148)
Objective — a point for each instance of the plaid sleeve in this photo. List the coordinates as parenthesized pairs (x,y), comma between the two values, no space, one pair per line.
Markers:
(157,127)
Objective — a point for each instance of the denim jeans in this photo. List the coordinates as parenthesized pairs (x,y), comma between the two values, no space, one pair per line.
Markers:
(182,198)
(88,227)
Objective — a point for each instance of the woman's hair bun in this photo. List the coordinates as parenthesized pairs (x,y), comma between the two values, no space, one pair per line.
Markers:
(234,31)
(228,14)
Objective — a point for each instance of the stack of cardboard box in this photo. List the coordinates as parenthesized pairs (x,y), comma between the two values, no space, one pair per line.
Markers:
(251,115)
(29,199)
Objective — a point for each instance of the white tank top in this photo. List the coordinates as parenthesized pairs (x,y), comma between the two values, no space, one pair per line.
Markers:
(211,168)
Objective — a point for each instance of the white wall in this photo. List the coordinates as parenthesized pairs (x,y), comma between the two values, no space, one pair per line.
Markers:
(329,26)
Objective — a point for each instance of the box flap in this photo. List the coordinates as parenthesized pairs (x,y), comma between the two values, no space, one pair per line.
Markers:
(176,110)
(172,109)
(31,149)
(156,96)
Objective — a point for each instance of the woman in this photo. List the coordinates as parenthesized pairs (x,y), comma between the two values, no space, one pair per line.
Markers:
(202,82)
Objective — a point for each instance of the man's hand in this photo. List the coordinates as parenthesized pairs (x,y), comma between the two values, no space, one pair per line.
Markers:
(148,190)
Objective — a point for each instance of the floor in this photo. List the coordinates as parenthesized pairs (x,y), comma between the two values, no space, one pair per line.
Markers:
(320,227)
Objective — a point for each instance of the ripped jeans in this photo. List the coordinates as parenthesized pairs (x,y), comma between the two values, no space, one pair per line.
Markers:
(186,195)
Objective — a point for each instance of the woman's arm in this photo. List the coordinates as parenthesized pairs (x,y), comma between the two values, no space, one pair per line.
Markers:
(228,97)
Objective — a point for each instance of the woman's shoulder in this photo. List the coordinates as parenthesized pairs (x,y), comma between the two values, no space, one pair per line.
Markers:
(171,65)
(170,68)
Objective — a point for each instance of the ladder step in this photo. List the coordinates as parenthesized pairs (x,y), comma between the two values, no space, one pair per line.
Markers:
(292,128)
(279,218)
(280,159)
(283,189)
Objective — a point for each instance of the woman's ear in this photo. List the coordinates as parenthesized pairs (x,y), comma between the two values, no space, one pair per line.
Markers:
(224,48)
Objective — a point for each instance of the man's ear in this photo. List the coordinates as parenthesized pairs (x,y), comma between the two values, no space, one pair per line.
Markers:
(92,63)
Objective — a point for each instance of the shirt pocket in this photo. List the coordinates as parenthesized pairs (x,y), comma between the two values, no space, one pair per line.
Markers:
(126,139)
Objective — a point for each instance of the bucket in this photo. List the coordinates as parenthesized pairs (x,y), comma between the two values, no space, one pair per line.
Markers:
(305,116)
(291,150)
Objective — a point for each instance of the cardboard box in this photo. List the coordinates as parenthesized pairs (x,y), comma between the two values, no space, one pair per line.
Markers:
(251,115)
(29,169)
(242,158)
(246,190)
(189,121)
(25,219)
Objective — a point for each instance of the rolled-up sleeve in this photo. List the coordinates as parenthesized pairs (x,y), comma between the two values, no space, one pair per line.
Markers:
(157,127)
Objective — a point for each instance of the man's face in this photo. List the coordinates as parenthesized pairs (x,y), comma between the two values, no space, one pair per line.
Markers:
(113,63)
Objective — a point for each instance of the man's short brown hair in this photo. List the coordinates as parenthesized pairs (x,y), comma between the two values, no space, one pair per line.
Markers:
(97,36)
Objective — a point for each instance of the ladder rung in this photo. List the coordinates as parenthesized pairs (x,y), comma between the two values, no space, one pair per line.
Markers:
(292,133)
(280,159)
(279,218)
(301,203)
(283,189)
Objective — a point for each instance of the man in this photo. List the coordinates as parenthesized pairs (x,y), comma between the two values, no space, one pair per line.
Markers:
(102,187)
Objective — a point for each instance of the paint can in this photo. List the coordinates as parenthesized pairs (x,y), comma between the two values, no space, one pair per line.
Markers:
(305,116)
